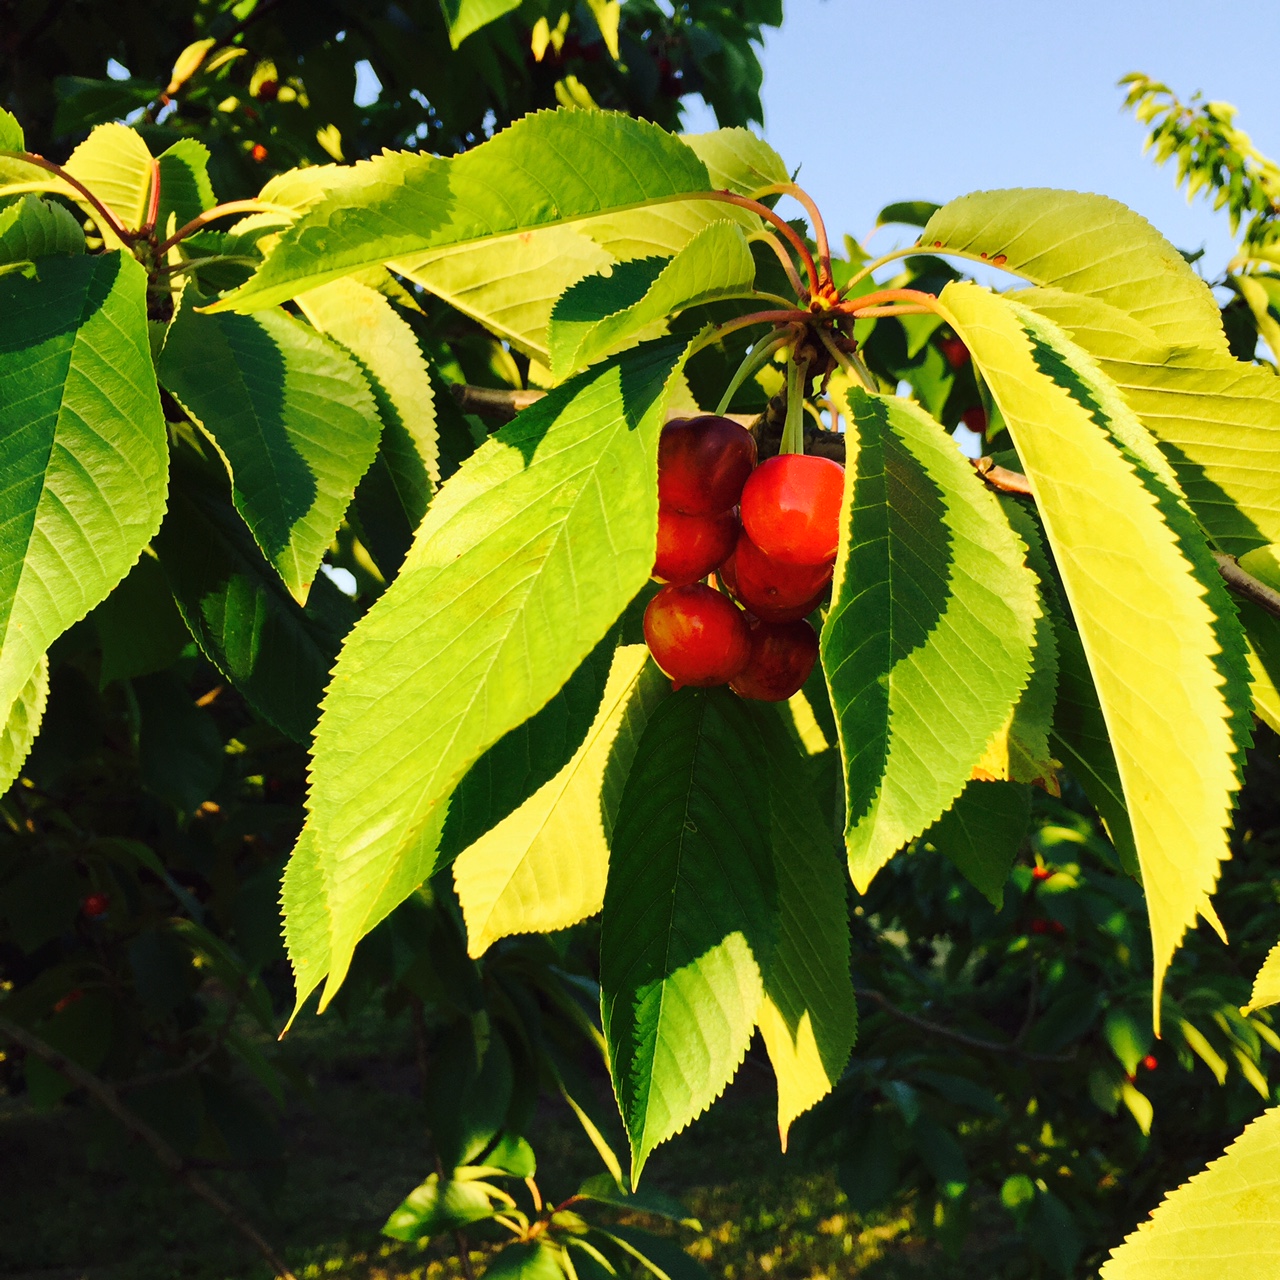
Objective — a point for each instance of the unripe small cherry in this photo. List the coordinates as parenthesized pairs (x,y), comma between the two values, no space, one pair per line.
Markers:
(703,463)
(95,906)
(696,635)
(1150,1062)
(689,547)
(259,153)
(771,589)
(955,351)
(782,655)
(1041,873)
(791,508)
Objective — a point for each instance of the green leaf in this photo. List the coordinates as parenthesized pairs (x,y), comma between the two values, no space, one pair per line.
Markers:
(604,313)
(274,652)
(293,418)
(464,17)
(662,1258)
(83,448)
(536,1261)
(604,1189)
(435,1207)
(1088,245)
(690,913)
(927,646)
(1224,1219)
(544,867)
(808,1017)
(22,722)
(11,138)
(33,228)
(522,179)
(139,625)
(982,832)
(1263,632)
(1266,986)
(510,284)
(1216,418)
(1158,630)
(367,325)
(526,558)
(909,213)
(113,162)
(185,189)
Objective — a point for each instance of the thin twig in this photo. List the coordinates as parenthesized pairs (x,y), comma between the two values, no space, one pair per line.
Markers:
(1002,478)
(75,184)
(1246,585)
(109,1100)
(974,1042)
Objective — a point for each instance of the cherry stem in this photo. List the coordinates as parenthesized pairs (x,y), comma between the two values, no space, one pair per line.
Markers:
(793,426)
(755,358)
(767,237)
(819,226)
(105,214)
(849,362)
(218,211)
(756,317)
(862,313)
(913,251)
(153,202)
(913,297)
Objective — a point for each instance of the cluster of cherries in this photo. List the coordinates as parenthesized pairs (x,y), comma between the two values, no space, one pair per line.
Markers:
(769,534)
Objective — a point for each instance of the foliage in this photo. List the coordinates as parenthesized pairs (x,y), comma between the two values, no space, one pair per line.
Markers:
(210,430)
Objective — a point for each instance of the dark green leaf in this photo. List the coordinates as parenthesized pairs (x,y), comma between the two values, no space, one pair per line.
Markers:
(982,833)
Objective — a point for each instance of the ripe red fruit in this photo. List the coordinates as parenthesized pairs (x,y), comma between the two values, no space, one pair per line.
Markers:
(72,997)
(95,906)
(259,153)
(696,635)
(956,352)
(1041,873)
(703,464)
(689,547)
(1150,1062)
(782,655)
(791,508)
(975,419)
(770,589)
(268,89)
(1039,926)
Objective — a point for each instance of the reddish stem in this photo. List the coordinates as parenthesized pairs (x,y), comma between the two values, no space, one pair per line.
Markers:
(763,211)
(819,226)
(209,215)
(917,297)
(108,218)
(153,204)
(784,257)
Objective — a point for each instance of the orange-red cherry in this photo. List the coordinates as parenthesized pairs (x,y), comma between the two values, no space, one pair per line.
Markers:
(95,906)
(770,588)
(689,547)
(791,508)
(696,635)
(703,464)
(782,655)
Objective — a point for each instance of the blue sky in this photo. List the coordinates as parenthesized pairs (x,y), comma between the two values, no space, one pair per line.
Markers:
(920,99)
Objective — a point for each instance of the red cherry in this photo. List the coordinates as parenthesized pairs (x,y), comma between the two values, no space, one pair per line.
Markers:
(95,906)
(696,635)
(703,464)
(259,153)
(1041,873)
(268,89)
(1150,1062)
(1057,928)
(791,508)
(770,589)
(1039,926)
(975,419)
(72,996)
(782,655)
(689,547)
(956,352)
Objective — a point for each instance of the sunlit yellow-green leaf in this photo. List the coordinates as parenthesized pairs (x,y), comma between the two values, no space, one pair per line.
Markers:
(1266,986)
(1224,1224)
(22,723)
(1158,630)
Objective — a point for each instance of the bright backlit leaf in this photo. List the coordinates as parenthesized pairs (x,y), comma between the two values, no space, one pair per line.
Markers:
(22,723)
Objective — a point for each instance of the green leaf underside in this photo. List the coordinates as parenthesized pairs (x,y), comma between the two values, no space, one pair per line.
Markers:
(185,189)
(465,17)
(1217,419)
(11,138)
(523,179)
(437,1206)
(603,313)
(689,914)
(22,723)
(535,1261)
(83,448)
(1087,245)
(367,325)
(240,614)
(511,283)
(1158,630)
(808,1017)
(293,418)
(528,555)
(1224,1222)
(544,867)
(982,832)
(927,646)
(33,228)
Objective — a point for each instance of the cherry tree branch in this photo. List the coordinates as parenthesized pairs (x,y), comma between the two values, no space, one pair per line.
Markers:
(106,1097)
